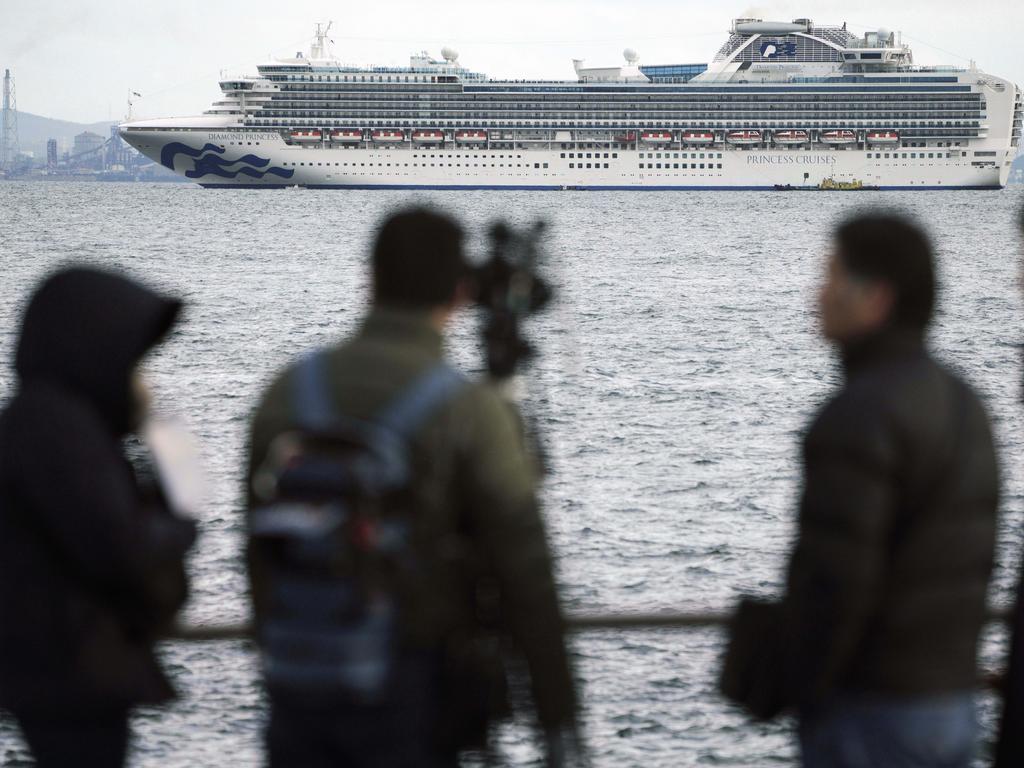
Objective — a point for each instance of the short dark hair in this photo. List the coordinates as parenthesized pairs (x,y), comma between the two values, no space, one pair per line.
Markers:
(418,260)
(891,248)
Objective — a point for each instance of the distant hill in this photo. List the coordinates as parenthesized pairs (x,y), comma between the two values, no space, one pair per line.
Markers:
(33,132)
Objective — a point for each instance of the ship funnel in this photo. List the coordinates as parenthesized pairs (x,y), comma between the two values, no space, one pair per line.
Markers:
(747,27)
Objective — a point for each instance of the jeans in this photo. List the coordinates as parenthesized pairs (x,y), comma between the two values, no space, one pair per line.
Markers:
(96,739)
(852,731)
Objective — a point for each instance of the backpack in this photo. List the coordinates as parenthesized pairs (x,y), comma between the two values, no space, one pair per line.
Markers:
(331,542)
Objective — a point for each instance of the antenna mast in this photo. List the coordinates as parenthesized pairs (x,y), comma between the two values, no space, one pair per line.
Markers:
(319,50)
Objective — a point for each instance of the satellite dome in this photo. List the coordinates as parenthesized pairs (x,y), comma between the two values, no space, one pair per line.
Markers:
(449,54)
(883,34)
(631,56)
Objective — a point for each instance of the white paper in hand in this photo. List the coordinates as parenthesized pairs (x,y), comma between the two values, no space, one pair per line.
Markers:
(176,455)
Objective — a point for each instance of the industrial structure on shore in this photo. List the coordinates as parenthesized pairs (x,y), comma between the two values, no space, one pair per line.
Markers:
(89,155)
(9,126)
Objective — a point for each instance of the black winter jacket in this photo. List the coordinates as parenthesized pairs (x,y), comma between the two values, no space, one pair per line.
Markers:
(886,589)
(90,568)
(887,584)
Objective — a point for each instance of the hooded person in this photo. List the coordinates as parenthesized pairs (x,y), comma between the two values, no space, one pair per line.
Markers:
(91,556)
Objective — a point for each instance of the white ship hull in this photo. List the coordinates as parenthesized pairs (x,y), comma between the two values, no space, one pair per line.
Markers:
(244,158)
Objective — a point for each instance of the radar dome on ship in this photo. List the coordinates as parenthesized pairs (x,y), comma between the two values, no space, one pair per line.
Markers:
(883,34)
(631,56)
(449,54)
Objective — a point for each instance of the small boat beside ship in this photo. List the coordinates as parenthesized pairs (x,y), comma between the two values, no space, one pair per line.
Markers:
(828,185)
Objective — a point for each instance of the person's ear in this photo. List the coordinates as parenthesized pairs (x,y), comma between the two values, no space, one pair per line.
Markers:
(880,304)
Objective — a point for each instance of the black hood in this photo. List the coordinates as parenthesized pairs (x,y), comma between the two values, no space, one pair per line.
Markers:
(86,330)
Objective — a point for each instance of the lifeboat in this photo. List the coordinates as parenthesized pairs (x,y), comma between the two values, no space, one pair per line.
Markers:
(839,137)
(743,137)
(626,137)
(698,137)
(883,137)
(388,135)
(307,136)
(471,137)
(346,136)
(432,136)
(790,137)
(656,137)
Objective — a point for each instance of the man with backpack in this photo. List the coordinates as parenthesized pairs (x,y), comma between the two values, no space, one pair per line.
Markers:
(395,537)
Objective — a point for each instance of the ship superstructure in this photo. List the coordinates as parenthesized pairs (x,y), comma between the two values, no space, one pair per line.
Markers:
(780,104)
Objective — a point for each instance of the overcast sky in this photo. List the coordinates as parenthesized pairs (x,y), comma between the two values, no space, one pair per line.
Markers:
(77,61)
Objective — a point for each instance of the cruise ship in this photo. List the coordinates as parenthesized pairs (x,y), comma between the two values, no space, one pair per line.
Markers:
(791,105)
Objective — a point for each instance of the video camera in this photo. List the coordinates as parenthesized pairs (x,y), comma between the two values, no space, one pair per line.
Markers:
(509,290)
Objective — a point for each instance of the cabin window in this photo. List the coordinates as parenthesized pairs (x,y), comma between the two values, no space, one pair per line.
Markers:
(572,165)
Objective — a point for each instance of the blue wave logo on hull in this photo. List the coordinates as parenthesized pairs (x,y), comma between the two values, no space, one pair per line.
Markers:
(209,162)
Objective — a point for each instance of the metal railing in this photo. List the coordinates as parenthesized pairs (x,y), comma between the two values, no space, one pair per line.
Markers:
(580,622)
(575,622)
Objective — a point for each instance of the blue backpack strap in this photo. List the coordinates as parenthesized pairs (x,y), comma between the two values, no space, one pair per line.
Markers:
(311,396)
(427,393)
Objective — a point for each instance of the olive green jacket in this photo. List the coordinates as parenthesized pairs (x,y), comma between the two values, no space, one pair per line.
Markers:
(476,490)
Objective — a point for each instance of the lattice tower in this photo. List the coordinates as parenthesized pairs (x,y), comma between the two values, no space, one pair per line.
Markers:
(9,129)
